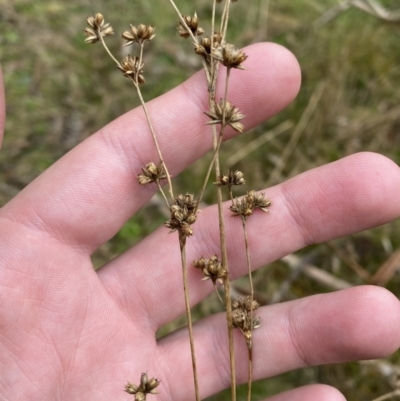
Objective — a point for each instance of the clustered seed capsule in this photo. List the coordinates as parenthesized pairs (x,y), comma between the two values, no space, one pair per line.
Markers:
(231,179)
(203,48)
(132,68)
(97,28)
(140,34)
(192,23)
(147,386)
(246,205)
(183,215)
(242,309)
(225,112)
(211,268)
(229,56)
(151,173)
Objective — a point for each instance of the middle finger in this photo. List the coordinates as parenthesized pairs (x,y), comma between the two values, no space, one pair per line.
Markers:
(328,202)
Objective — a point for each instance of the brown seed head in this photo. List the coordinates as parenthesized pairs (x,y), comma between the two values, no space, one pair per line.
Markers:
(244,303)
(97,28)
(132,68)
(147,386)
(131,388)
(246,205)
(224,111)
(203,48)
(193,25)
(139,396)
(229,56)
(231,179)
(242,317)
(139,34)
(183,215)
(211,268)
(151,173)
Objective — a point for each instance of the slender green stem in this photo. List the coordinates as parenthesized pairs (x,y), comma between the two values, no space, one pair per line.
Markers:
(225,19)
(224,261)
(194,38)
(140,63)
(162,192)
(219,296)
(182,243)
(183,22)
(224,255)
(171,192)
(250,362)
(210,167)
(108,50)
(213,23)
(228,300)
(250,373)
(228,73)
(246,243)
(231,194)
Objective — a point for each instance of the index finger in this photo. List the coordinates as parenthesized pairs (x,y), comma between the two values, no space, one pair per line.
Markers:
(85,198)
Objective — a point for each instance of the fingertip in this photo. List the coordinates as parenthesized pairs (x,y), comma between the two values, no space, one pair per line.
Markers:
(376,182)
(370,328)
(283,66)
(320,392)
(270,82)
(384,309)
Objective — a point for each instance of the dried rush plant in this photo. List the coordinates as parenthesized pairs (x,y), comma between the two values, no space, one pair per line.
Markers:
(184,208)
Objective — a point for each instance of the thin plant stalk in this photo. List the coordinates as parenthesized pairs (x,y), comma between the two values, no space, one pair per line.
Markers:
(171,191)
(213,23)
(227,289)
(225,18)
(228,73)
(250,361)
(194,38)
(136,84)
(224,254)
(250,373)
(162,192)
(210,167)
(108,50)
(219,296)
(182,243)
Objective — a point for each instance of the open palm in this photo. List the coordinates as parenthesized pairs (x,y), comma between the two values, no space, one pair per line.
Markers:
(70,333)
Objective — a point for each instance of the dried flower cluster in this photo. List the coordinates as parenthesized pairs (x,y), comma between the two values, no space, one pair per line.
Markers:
(211,268)
(146,386)
(225,113)
(140,34)
(214,51)
(242,310)
(151,173)
(246,205)
(97,28)
(204,46)
(229,56)
(231,179)
(183,215)
(132,67)
(192,23)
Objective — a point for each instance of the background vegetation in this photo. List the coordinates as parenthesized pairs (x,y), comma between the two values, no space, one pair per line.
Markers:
(349,102)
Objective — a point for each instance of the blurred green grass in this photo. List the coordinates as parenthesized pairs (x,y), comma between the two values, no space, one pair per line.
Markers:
(55,86)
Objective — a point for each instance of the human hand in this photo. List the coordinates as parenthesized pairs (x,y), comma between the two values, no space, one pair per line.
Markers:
(70,333)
